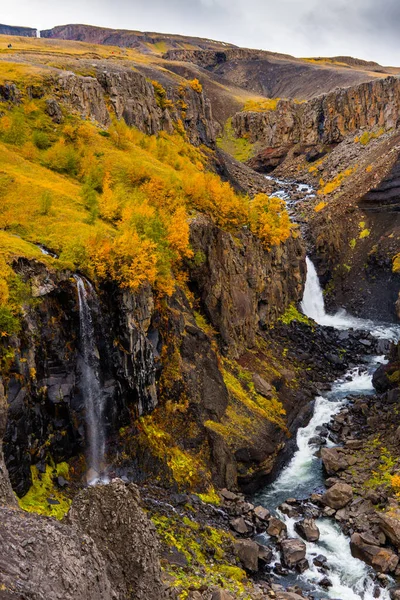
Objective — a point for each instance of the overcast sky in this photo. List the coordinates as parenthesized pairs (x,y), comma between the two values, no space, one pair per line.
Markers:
(367,29)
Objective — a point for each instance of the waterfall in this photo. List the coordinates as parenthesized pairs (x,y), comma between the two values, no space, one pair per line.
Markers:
(313,306)
(91,387)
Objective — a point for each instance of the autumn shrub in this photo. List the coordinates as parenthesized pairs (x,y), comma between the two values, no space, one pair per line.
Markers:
(63,158)
(196,85)
(41,140)
(116,204)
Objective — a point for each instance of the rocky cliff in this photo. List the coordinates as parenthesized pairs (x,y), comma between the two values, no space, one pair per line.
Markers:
(21,31)
(326,119)
(132,97)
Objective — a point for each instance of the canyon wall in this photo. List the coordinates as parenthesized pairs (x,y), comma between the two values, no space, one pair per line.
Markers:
(326,119)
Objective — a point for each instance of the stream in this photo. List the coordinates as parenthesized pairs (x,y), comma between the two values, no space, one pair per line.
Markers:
(351,578)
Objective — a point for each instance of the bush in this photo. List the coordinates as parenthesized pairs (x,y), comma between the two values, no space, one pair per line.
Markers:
(41,140)
(62,158)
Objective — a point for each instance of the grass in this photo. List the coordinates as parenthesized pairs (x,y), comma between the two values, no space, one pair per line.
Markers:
(240,148)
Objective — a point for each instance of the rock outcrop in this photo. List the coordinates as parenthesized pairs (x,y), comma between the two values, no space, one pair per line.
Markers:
(20,31)
(326,119)
(244,288)
(126,538)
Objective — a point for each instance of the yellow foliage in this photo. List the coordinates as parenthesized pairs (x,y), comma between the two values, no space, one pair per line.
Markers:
(396,264)
(320,206)
(116,203)
(261,105)
(196,85)
(269,220)
(331,186)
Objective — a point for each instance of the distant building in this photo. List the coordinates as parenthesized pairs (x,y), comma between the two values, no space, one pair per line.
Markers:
(21,31)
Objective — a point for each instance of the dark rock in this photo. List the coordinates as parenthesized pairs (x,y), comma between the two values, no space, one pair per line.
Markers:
(302,565)
(333,460)
(54,111)
(262,513)
(338,496)
(276,528)
(293,551)
(320,560)
(308,530)
(382,559)
(325,583)
(248,552)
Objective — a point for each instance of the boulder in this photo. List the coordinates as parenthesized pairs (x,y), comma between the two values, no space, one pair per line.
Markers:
(390,525)
(308,530)
(383,560)
(261,386)
(264,554)
(293,551)
(338,496)
(262,513)
(239,525)
(124,535)
(276,528)
(333,460)
(247,552)
(221,595)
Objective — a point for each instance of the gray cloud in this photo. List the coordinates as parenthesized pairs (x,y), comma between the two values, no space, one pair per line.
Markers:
(364,28)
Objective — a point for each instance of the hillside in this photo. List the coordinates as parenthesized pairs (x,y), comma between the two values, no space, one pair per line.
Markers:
(183,227)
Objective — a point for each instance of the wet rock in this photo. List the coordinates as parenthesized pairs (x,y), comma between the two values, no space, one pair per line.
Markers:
(125,536)
(262,513)
(288,510)
(264,554)
(320,560)
(288,596)
(293,551)
(333,460)
(248,552)
(276,528)
(302,565)
(381,559)
(338,496)
(326,583)
(308,530)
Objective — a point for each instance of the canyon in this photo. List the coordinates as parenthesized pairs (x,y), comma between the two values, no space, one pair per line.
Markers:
(197,418)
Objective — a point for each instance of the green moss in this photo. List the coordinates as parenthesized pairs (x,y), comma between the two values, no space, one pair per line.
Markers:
(208,551)
(43,492)
(240,148)
(292,314)
(364,233)
(353,243)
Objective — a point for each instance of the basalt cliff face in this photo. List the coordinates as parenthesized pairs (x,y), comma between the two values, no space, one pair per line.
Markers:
(241,288)
(132,98)
(327,119)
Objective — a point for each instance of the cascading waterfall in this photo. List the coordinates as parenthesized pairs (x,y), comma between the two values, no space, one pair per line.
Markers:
(351,579)
(313,306)
(91,388)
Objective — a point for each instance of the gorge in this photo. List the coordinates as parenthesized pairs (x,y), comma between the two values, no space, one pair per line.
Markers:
(199,318)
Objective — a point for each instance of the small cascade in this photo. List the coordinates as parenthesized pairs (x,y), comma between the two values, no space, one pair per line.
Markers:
(91,387)
(313,306)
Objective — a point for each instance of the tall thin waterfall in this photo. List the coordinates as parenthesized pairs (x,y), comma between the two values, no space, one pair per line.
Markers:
(313,304)
(91,388)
